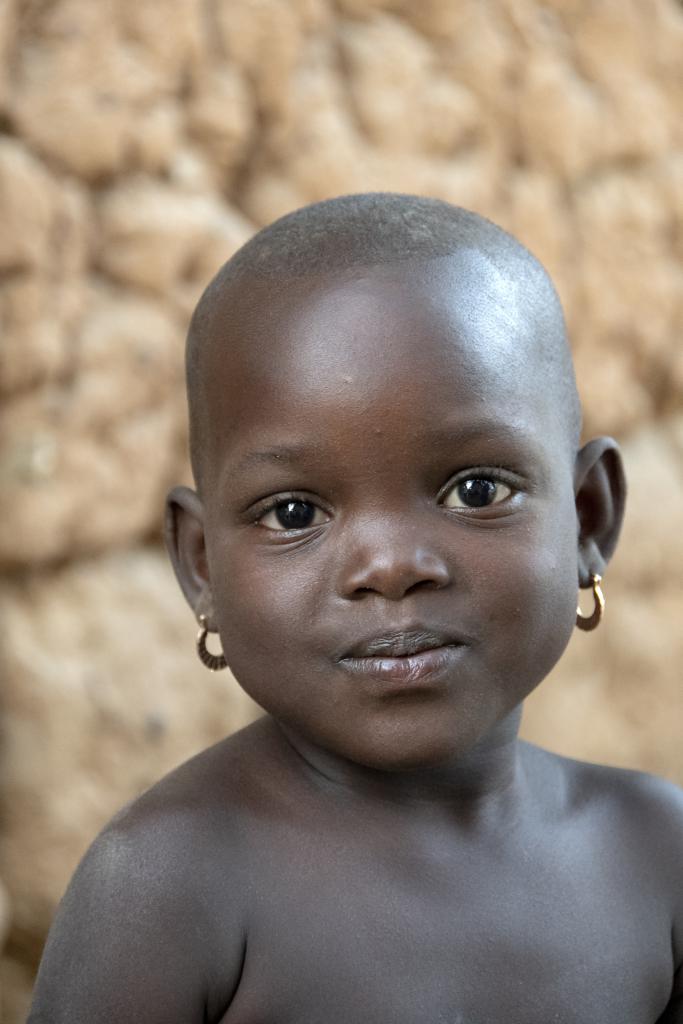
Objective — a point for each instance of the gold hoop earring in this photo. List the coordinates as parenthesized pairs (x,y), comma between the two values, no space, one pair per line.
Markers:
(214,662)
(589,622)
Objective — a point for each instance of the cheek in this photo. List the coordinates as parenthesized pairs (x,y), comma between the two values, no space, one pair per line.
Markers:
(265,603)
(535,581)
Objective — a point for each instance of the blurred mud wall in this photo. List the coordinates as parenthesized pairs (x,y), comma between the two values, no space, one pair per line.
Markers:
(141,141)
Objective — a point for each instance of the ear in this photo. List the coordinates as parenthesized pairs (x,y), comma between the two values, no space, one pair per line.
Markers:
(184,537)
(600,494)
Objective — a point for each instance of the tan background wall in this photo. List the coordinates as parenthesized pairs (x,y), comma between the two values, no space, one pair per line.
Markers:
(140,142)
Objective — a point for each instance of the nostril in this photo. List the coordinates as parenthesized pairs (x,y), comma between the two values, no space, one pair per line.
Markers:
(424,585)
(393,573)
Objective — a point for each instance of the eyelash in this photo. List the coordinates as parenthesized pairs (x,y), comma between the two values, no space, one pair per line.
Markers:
(270,504)
(498,474)
(495,473)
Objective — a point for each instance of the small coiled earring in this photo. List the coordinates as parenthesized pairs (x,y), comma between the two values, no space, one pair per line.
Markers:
(214,662)
(589,622)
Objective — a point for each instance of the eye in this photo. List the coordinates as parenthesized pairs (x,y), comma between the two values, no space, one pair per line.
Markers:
(293,514)
(476,492)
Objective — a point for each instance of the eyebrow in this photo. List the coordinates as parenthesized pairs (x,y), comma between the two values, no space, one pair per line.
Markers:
(276,454)
(298,452)
(480,430)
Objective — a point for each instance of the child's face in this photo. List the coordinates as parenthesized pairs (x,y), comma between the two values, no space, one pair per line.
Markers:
(386,457)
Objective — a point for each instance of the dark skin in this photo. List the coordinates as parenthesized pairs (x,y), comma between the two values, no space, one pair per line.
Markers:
(381,846)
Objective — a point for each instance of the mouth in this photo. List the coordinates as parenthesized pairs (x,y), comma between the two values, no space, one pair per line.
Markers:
(404,656)
(402,644)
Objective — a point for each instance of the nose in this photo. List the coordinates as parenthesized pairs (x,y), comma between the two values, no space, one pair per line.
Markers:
(392,563)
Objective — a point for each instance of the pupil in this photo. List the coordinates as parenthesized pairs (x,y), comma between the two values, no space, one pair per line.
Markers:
(294,515)
(477,493)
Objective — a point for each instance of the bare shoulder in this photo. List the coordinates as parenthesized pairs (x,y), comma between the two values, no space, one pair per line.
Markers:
(216,788)
(191,823)
(632,801)
(153,923)
(641,803)
(628,822)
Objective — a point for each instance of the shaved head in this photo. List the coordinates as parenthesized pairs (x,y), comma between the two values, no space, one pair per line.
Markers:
(338,237)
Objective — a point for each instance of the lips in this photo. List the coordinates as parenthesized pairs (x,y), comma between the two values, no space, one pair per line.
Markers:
(405,661)
(402,643)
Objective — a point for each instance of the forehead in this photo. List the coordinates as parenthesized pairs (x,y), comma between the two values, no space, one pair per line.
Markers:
(457,333)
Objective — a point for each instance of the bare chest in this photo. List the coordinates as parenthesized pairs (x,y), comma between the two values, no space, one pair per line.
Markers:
(451,940)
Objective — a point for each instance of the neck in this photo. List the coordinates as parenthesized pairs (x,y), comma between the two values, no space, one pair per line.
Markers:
(483,782)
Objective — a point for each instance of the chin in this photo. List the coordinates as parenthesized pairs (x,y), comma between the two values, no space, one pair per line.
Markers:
(409,761)
(400,753)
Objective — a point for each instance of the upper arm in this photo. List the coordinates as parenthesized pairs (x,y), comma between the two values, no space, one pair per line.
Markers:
(659,815)
(674,1010)
(664,831)
(134,939)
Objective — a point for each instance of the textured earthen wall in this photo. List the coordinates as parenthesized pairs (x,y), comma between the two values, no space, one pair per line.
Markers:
(140,142)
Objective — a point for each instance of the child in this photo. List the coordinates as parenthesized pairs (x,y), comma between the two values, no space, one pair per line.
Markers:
(391,519)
